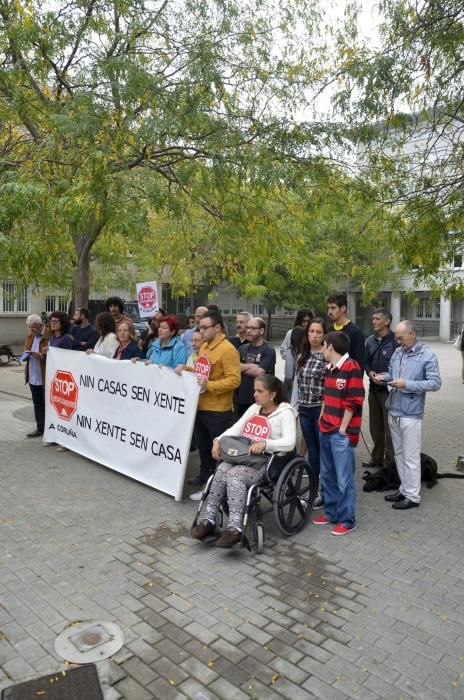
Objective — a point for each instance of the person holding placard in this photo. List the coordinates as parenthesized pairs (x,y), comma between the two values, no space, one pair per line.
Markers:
(167,350)
(270,415)
(35,356)
(218,373)
(128,348)
(107,343)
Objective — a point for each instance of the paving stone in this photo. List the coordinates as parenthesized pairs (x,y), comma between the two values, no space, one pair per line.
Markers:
(321,690)
(224,689)
(30,650)
(260,652)
(142,673)
(257,670)
(230,671)
(290,690)
(254,633)
(171,650)
(203,673)
(142,650)
(288,670)
(131,690)
(18,668)
(201,633)
(192,689)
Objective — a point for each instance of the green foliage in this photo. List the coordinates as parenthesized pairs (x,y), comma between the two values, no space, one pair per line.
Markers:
(410,86)
(127,112)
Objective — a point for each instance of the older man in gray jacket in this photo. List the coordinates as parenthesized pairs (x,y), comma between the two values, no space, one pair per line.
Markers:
(413,371)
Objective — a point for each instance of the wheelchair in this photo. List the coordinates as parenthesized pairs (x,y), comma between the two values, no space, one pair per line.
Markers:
(288,486)
(7,355)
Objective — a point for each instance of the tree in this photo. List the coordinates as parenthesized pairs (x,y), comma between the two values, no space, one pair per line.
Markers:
(403,102)
(116,115)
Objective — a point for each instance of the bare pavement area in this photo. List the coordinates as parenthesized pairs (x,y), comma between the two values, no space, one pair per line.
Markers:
(376,614)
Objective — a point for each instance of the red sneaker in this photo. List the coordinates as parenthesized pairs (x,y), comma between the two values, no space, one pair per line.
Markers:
(321,520)
(342,529)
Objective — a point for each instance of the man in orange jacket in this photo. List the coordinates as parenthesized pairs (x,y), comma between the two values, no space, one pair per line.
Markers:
(219,378)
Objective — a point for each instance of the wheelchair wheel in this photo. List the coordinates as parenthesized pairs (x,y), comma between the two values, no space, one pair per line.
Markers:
(259,537)
(294,496)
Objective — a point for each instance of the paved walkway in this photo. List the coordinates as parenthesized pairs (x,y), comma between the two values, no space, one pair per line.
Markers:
(377,614)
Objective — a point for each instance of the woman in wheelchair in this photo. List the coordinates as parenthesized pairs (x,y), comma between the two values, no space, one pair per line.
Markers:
(234,481)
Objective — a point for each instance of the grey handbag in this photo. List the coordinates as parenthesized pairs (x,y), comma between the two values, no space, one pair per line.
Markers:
(234,450)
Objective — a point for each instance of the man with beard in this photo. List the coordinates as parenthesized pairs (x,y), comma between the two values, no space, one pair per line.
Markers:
(84,333)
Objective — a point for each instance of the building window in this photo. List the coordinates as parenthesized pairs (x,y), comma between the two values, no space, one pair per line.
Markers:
(424,308)
(56,303)
(457,262)
(15,298)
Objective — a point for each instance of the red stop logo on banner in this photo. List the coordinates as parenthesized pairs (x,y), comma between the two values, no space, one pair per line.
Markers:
(147,298)
(203,366)
(257,428)
(63,394)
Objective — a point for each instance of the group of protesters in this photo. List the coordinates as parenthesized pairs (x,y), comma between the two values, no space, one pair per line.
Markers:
(323,392)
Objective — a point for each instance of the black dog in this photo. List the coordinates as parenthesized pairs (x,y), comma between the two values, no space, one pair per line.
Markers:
(387,479)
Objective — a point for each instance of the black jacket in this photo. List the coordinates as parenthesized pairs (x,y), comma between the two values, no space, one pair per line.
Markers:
(357,342)
(378,354)
(132,350)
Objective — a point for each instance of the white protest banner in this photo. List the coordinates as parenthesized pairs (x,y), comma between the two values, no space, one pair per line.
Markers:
(147,298)
(134,418)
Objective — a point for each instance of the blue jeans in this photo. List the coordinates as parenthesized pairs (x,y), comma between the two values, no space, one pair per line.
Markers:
(337,476)
(309,415)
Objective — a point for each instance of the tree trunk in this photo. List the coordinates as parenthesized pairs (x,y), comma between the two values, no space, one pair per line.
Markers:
(83,246)
(268,325)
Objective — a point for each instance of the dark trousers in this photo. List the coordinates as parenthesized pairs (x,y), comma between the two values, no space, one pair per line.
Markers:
(309,416)
(38,399)
(378,427)
(209,425)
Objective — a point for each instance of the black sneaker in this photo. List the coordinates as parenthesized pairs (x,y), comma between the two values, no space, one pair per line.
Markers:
(35,433)
(318,502)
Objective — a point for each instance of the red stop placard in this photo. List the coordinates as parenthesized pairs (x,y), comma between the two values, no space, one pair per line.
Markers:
(203,366)
(64,394)
(257,428)
(147,298)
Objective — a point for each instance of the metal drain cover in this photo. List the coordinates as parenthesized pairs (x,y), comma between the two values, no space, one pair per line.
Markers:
(85,642)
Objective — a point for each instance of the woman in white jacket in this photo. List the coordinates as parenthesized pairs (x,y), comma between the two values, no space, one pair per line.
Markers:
(107,344)
(235,480)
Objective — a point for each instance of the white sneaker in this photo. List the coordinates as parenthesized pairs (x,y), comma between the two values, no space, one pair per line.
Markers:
(62,449)
(48,444)
(196,496)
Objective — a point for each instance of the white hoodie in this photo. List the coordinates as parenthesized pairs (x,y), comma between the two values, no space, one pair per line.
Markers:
(283,427)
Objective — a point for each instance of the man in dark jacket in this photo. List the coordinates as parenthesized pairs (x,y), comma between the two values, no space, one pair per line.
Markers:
(337,305)
(380,346)
(83,332)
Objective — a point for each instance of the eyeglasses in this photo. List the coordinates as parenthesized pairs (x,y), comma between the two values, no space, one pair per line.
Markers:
(204,328)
